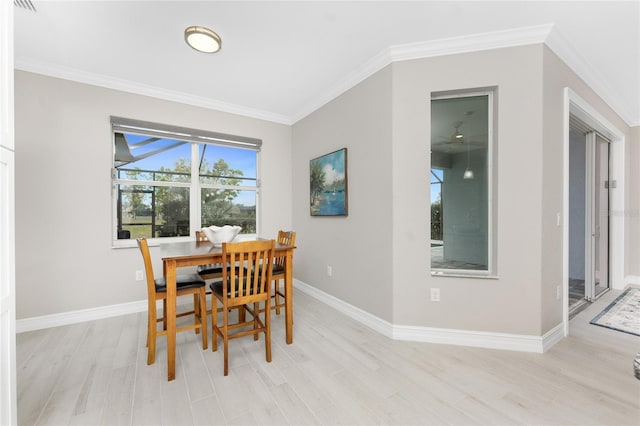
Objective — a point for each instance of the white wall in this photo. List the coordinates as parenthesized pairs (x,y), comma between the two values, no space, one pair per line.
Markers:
(64,259)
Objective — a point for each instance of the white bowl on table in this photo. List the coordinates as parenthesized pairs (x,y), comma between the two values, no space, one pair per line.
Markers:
(221,234)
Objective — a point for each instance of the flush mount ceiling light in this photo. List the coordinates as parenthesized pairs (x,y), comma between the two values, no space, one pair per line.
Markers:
(202,39)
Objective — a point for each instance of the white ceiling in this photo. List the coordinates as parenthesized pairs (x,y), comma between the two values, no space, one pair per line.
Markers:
(281,60)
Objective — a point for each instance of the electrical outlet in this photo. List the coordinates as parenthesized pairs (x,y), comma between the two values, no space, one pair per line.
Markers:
(139,275)
(329,271)
(435,294)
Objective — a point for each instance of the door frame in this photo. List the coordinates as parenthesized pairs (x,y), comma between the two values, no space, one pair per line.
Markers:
(578,107)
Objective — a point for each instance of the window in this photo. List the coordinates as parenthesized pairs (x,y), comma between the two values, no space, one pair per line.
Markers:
(461,183)
(169,181)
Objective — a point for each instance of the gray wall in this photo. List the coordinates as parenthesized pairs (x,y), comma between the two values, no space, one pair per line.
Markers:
(359,246)
(508,303)
(389,169)
(557,76)
(380,252)
(64,259)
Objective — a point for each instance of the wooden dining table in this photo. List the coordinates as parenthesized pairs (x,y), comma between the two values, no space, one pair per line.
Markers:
(192,253)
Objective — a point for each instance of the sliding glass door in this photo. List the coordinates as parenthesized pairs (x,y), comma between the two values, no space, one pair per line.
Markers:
(597,216)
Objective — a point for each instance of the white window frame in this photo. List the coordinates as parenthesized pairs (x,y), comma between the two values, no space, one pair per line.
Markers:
(492,237)
(196,138)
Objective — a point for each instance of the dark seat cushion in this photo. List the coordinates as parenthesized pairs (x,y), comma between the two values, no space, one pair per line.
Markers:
(217,288)
(182,282)
(212,269)
(277,269)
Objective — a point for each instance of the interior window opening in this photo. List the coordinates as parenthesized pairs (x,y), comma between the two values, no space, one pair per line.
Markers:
(461,240)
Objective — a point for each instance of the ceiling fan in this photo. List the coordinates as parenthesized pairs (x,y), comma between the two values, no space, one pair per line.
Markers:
(458,137)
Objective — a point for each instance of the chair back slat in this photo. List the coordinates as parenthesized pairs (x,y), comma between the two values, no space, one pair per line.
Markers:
(250,270)
(287,238)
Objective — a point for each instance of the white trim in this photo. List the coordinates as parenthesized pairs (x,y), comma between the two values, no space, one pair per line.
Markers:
(82,315)
(145,90)
(632,280)
(575,105)
(513,342)
(481,339)
(546,33)
(357,76)
(428,49)
(540,34)
(381,326)
(472,43)
(598,83)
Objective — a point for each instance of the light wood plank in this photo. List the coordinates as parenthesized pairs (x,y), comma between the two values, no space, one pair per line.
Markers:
(336,372)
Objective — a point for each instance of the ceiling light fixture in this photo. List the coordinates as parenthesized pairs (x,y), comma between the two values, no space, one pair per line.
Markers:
(202,39)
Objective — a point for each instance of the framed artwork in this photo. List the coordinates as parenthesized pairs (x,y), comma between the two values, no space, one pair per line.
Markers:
(328,184)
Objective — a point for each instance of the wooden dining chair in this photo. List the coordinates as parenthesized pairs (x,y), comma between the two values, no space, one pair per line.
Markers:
(212,271)
(286,238)
(189,284)
(240,287)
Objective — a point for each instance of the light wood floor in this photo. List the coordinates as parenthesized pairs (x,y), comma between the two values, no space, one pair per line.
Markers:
(337,371)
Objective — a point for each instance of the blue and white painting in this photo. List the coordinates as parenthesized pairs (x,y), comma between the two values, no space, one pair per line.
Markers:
(328,184)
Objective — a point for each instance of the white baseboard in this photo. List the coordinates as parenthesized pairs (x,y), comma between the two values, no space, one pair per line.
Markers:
(632,279)
(513,342)
(74,317)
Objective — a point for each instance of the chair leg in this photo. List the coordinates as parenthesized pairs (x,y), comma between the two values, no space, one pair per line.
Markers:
(225,340)
(267,330)
(148,322)
(214,323)
(256,312)
(151,333)
(276,296)
(196,311)
(203,317)
(164,314)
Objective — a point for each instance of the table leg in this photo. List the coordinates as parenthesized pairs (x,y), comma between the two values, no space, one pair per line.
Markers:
(170,277)
(288,290)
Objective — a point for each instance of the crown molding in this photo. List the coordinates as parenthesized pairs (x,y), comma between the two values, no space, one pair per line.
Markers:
(472,43)
(99,80)
(357,76)
(546,34)
(559,45)
(428,49)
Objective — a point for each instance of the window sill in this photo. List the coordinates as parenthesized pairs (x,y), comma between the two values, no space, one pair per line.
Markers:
(485,276)
(153,242)
(156,242)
